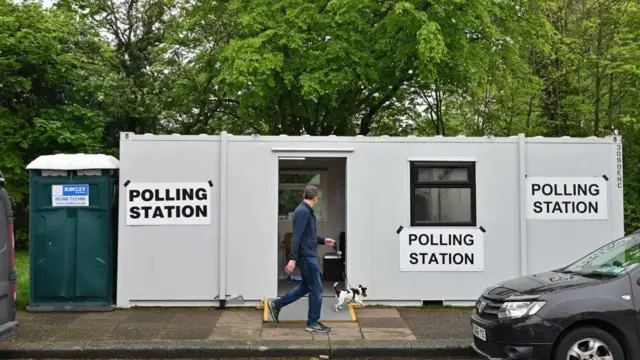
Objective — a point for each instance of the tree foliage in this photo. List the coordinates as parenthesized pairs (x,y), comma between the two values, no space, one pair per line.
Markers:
(51,90)
(74,76)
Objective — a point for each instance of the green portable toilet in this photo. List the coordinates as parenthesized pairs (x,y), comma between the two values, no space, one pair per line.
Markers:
(72,232)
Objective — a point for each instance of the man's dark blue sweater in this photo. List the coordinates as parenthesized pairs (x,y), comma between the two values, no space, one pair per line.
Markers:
(304,242)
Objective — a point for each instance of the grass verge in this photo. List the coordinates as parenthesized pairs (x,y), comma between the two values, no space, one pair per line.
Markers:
(22,268)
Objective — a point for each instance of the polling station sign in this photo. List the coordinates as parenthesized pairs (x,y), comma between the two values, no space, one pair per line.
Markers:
(168,203)
(442,249)
(70,195)
(566,198)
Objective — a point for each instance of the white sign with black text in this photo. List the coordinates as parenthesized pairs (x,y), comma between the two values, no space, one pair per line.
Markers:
(70,195)
(168,203)
(566,198)
(441,249)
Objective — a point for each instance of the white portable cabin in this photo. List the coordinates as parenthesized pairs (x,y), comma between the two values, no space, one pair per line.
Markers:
(204,218)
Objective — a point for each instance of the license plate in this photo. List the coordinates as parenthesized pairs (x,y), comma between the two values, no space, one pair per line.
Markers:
(479,332)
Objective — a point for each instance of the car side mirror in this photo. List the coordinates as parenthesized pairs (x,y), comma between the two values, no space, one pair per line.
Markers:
(638,281)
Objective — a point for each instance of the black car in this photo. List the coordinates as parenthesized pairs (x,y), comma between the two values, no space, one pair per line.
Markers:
(587,310)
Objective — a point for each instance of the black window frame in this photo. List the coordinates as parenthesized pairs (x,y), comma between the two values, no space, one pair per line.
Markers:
(470,183)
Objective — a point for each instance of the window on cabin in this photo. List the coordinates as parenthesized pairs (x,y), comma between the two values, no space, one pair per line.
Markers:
(291,186)
(443,194)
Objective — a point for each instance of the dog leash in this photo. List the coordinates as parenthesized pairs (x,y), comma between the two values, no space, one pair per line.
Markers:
(346,279)
(344,270)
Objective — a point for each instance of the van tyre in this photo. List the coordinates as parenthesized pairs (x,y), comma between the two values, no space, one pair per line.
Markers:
(589,343)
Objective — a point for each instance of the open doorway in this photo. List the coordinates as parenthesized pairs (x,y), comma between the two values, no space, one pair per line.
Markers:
(329,175)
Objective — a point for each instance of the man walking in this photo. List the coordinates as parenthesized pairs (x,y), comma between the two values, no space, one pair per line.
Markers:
(304,244)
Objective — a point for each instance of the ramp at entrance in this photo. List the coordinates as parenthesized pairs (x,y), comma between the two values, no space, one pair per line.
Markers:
(297,312)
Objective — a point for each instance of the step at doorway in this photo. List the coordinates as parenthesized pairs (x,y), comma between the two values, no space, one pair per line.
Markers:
(297,312)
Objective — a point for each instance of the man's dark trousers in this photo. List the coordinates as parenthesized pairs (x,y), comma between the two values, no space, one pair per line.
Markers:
(311,284)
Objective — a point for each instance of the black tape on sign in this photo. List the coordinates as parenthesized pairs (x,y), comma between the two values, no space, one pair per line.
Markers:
(127,183)
(482,229)
(210,183)
(605,177)
(399,229)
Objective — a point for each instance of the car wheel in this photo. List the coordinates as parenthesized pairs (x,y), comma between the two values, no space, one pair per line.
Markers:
(589,343)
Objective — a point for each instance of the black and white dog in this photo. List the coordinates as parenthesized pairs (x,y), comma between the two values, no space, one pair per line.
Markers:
(354,294)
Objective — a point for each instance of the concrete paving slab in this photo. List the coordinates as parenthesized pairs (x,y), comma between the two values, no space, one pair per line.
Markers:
(272,325)
(44,333)
(345,326)
(149,317)
(235,333)
(195,318)
(54,318)
(387,334)
(94,321)
(90,323)
(81,333)
(285,334)
(333,336)
(339,331)
(320,337)
(111,315)
(25,316)
(139,332)
(187,333)
(201,324)
(240,317)
(209,322)
(345,331)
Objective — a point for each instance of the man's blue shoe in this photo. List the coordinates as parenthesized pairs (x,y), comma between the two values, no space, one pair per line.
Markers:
(318,328)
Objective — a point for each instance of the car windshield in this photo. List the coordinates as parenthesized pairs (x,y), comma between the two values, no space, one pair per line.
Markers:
(612,259)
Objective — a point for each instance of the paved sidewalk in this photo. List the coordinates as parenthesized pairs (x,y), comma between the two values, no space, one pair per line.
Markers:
(208,329)
(235,324)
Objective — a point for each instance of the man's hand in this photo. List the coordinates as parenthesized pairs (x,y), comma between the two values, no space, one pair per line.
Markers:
(291,265)
(330,242)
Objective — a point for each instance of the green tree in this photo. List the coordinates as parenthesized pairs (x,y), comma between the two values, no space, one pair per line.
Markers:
(51,72)
(324,67)
(196,103)
(136,29)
